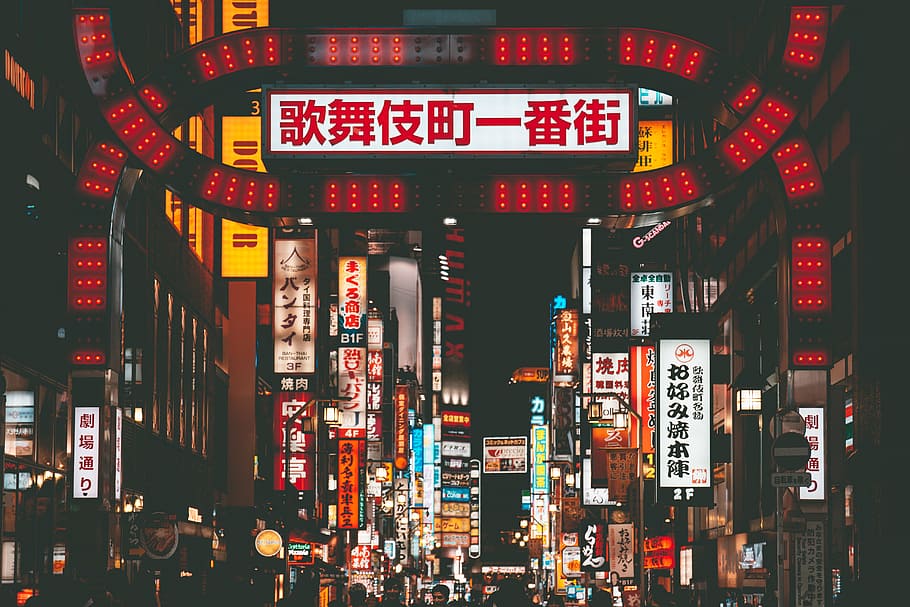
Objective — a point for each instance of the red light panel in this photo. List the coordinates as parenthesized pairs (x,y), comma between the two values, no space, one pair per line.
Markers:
(364,195)
(533,195)
(101,170)
(666,52)
(810,271)
(756,135)
(154,99)
(141,133)
(533,47)
(798,169)
(88,358)
(236,51)
(87,275)
(240,189)
(805,41)
(746,96)
(661,189)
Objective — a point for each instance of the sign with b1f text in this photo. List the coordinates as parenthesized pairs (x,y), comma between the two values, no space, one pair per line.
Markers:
(683,435)
(518,122)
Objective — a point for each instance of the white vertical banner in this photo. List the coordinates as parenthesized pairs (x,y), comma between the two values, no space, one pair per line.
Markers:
(352,351)
(118,452)
(294,305)
(86,432)
(683,435)
(815,434)
(652,292)
(622,549)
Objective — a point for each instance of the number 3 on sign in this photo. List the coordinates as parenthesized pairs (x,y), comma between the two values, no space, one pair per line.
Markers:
(680,494)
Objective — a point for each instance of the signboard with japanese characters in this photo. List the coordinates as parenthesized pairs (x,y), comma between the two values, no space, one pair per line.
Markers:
(622,549)
(352,352)
(642,392)
(540,475)
(651,292)
(683,435)
(505,454)
(815,434)
(86,451)
(300,468)
(294,304)
(594,546)
(399,122)
(349,484)
(810,565)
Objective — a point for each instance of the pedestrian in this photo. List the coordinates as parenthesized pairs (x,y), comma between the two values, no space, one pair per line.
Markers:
(616,589)
(440,595)
(510,594)
(556,600)
(601,598)
(305,592)
(391,593)
(357,595)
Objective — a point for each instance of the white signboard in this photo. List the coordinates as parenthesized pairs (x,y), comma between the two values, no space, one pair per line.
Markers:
(591,496)
(352,353)
(683,435)
(294,305)
(652,292)
(118,452)
(86,451)
(815,434)
(505,454)
(421,121)
(610,373)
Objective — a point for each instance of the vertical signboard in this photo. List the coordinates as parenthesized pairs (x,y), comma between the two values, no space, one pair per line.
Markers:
(540,476)
(300,468)
(402,446)
(457,301)
(810,565)
(593,538)
(352,351)
(118,451)
(294,303)
(243,15)
(683,447)
(86,451)
(622,549)
(652,292)
(815,434)
(349,491)
(641,369)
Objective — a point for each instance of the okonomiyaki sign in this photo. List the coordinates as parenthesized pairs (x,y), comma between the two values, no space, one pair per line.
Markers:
(683,450)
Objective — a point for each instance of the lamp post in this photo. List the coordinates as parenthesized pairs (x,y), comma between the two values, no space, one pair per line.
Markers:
(330,416)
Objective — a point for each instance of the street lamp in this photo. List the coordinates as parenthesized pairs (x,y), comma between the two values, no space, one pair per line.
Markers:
(747,391)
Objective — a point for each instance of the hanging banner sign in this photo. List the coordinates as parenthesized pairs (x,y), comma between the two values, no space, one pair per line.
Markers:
(294,305)
(86,451)
(683,450)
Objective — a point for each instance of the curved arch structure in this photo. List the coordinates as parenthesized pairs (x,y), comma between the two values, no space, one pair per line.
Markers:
(761,118)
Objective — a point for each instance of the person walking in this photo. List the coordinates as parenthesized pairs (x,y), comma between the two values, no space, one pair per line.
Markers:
(510,594)
(357,595)
(391,593)
(440,595)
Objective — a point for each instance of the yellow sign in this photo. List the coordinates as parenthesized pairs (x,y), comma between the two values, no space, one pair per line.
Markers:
(244,250)
(241,142)
(452,524)
(655,145)
(530,374)
(268,542)
(243,15)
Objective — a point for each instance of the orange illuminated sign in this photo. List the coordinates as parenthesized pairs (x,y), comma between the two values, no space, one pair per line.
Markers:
(241,142)
(244,250)
(401,427)
(349,483)
(655,145)
(243,15)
